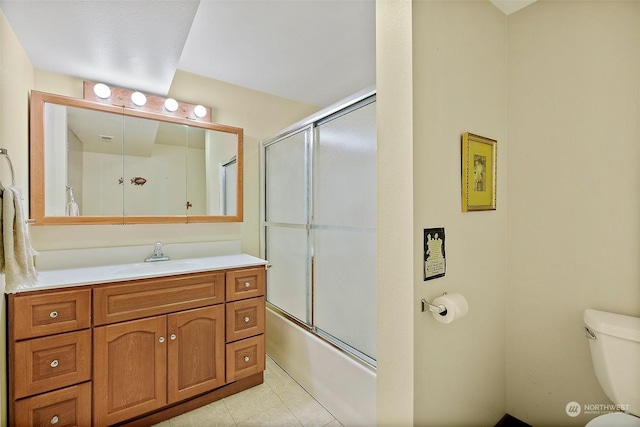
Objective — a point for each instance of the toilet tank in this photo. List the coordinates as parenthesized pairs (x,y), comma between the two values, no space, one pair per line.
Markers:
(615,352)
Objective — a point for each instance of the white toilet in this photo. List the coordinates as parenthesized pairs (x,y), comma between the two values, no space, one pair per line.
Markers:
(614,341)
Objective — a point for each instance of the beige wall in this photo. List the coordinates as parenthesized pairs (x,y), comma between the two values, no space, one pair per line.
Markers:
(574,196)
(558,85)
(459,85)
(260,114)
(395,300)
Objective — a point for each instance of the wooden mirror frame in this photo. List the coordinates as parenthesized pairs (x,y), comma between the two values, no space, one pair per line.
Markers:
(37,165)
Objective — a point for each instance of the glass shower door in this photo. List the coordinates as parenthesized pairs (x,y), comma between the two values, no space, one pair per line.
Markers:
(344,226)
(286,225)
(320,227)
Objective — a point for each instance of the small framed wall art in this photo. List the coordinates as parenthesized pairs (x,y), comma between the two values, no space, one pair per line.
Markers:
(435,263)
(479,169)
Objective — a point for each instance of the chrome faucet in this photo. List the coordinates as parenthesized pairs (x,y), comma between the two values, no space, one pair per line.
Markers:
(157,254)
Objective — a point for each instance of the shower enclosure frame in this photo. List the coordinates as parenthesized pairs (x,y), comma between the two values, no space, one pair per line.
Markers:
(309,127)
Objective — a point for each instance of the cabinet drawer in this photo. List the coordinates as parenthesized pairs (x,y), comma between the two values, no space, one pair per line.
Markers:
(51,313)
(150,297)
(242,284)
(53,362)
(245,318)
(69,407)
(245,358)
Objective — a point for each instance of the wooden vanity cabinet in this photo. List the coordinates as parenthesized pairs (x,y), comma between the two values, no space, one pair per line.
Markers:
(144,350)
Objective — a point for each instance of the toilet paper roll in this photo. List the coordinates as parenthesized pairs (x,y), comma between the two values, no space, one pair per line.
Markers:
(455,304)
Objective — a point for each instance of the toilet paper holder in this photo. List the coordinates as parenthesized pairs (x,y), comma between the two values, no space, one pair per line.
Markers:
(439,309)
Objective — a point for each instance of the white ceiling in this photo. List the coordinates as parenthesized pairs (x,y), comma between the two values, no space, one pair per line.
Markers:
(316,52)
(313,51)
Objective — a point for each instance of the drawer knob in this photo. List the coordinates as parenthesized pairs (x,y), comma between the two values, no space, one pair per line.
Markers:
(54,420)
(247,284)
(53,314)
(246,358)
(161,339)
(246,319)
(173,337)
(54,363)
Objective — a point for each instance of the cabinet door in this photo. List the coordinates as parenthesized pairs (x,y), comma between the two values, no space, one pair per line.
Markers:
(195,352)
(129,369)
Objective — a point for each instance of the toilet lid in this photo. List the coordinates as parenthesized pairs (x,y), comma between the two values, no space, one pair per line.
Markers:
(614,419)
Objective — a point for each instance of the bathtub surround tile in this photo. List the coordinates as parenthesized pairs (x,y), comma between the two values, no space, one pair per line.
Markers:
(279,401)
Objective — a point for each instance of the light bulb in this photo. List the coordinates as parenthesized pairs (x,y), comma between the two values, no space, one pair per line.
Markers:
(200,111)
(171,104)
(138,98)
(102,90)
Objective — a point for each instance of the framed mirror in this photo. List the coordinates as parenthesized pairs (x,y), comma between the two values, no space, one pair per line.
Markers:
(93,163)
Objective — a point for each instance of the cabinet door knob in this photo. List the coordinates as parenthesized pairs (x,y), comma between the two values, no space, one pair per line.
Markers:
(161,339)
(173,337)
(246,358)
(54,420)
(247,284)
(246,319)
(54,363)
(53,314)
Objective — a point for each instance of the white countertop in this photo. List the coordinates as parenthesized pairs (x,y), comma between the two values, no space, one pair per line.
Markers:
(141,270)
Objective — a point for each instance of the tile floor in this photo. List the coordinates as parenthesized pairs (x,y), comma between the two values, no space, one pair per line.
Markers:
(279,401)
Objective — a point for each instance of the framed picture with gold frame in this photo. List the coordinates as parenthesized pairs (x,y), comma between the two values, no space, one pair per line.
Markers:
(479,168)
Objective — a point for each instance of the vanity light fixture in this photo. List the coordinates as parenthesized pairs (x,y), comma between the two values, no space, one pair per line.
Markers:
(102,91)
(171,104)
(200,111)
(130,98)
(138,98)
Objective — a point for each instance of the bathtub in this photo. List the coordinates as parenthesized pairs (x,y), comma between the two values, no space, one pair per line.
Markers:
(343,385)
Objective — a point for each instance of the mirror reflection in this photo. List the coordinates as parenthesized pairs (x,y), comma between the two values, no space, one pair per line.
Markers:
(137,167)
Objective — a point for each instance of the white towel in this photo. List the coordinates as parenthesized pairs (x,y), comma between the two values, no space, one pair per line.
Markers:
(16,253)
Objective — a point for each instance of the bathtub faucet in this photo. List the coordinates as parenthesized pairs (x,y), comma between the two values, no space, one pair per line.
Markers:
(157,254)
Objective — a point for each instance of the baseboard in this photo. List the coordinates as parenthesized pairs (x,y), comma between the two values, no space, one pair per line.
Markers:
(509,421)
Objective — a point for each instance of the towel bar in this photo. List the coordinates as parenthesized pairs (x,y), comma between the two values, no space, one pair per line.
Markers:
(3,151)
